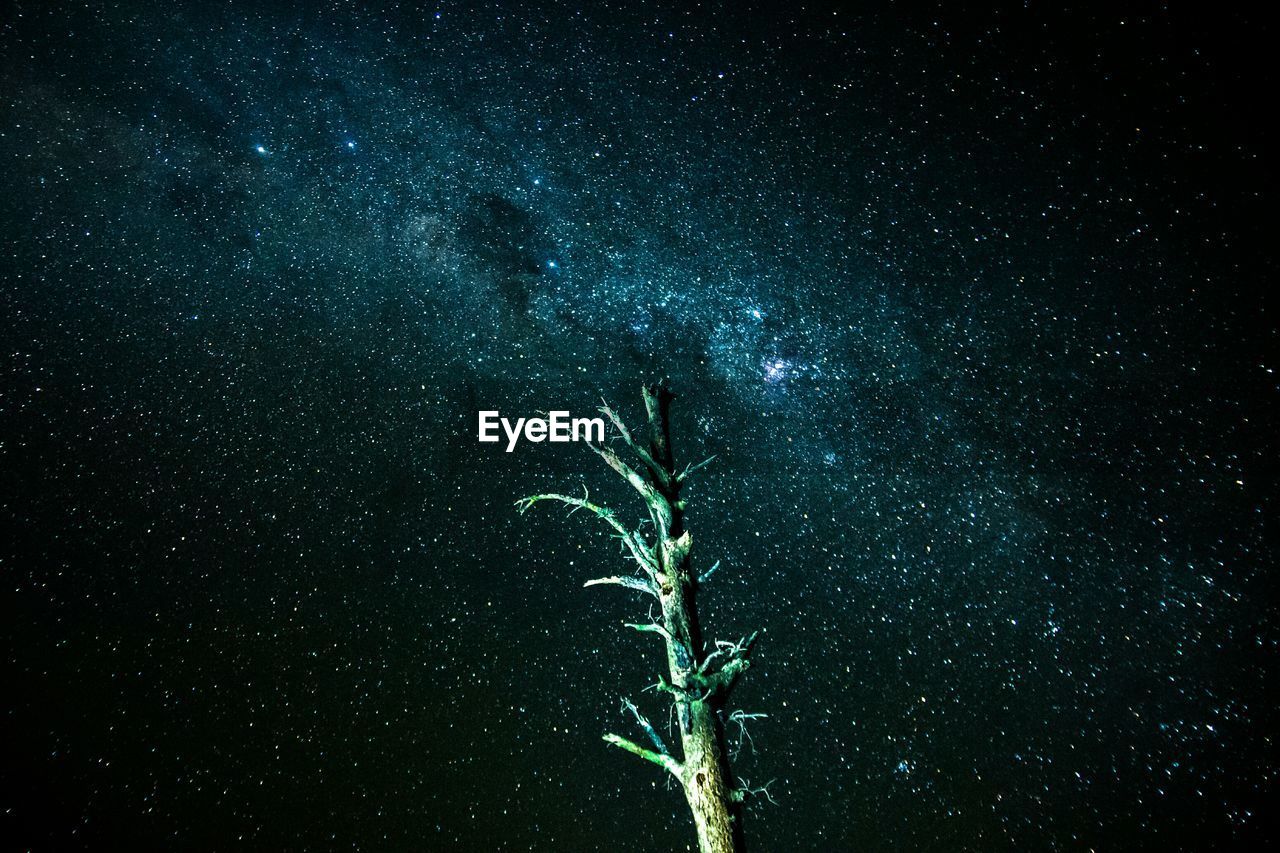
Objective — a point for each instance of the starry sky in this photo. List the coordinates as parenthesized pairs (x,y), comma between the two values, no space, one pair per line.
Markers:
(971,306)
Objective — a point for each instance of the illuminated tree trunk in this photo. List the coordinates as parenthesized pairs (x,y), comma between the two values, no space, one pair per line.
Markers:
(698,677)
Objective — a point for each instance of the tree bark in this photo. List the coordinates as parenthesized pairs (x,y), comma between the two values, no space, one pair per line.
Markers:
(698,679)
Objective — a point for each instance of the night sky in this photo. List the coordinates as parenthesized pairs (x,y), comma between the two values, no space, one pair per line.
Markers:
(971,305)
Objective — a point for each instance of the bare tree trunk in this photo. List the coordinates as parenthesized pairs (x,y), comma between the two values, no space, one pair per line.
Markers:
(698,678)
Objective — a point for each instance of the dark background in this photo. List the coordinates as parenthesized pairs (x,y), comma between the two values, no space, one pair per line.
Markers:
(970,303)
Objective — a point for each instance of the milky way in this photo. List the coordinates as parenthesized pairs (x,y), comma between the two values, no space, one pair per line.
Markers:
(967,307)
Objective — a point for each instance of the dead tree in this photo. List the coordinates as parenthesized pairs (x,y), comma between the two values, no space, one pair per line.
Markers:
(699,677)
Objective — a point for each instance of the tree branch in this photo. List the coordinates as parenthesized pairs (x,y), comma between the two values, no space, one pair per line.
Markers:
(698,690)
(647,727)
(649,627)
(741,795)
(629,581)
(630,538)
(660,474)
(664,761)
(744,736)
(659,509)
(736,659)
(693,469)
(628,473)
(724,680)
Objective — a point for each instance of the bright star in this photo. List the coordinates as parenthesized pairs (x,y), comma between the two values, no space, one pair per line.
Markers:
(775,369)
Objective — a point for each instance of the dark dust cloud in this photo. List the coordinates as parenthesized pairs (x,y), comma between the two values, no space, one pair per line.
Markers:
(970,303)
